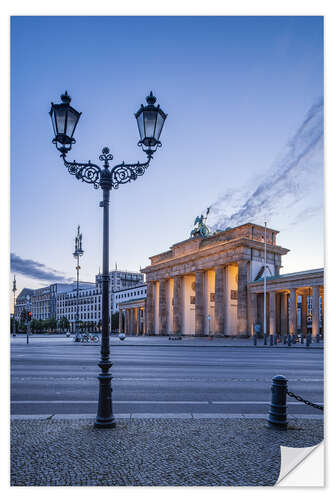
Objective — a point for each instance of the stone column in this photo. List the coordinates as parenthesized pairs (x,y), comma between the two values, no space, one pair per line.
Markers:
(322,312)
(120,320)
(253,312)
(292,312)
(304,314)
(127,325)
(242,299)
(284,313)
(129,313)
(177,305)
(272,313)
(199,303)
(135,321)
(219,300)
(163,307)
(144,326)
(150,319)
(315,311)
(278,312)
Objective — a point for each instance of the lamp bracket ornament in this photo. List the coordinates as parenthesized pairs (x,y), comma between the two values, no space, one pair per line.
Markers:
(103,177)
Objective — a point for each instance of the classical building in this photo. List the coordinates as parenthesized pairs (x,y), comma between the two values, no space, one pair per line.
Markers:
(59,300)
(126,295)
(130,303)
(214,286)
(283,293)
(119,280)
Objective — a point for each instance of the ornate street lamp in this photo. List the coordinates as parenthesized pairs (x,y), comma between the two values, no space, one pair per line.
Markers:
(14,291)
(77,254)
(150,119)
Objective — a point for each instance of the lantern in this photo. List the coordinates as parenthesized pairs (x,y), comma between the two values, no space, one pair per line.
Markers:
(64,120)
(150,121)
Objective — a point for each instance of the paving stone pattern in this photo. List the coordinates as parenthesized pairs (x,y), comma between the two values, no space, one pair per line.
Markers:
(153,452)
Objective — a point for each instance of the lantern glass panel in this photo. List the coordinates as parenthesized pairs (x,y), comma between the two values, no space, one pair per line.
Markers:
(141,126)
(159,126)
(60,115)
(72,118)
(54,123)
(150,120)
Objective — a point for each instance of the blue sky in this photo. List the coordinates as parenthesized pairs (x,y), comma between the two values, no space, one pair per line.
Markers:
(236,90)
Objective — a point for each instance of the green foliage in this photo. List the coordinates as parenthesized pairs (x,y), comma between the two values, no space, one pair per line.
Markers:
(63,323)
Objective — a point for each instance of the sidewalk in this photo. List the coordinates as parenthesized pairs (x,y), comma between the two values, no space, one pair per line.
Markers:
(159,341)
(153,451)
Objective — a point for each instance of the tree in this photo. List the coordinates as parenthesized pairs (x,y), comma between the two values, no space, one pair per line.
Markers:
(12,325)
(52,324)
(39,325)
(63,323)
(22,326)
(34,325)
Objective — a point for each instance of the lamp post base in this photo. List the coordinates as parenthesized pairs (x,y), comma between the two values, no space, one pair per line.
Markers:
(104,417)
(105,424)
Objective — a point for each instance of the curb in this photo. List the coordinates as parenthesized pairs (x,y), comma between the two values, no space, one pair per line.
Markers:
(189,416)
(195,346)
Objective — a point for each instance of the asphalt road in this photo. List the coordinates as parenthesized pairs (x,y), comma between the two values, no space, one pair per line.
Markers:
(61,378)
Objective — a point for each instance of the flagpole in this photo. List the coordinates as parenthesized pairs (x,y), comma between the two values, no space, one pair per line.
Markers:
(265,325)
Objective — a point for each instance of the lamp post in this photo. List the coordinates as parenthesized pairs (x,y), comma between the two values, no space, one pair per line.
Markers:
(150,120)
(14,291)
(77,254)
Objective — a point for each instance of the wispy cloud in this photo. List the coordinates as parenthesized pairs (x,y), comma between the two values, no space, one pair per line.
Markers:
(35,270)
(306,214)
(285,183)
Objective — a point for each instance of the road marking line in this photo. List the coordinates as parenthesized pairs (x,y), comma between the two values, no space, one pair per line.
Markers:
(160,402)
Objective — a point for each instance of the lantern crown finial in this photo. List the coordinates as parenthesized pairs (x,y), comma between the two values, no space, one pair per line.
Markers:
(151,99)
(66,99)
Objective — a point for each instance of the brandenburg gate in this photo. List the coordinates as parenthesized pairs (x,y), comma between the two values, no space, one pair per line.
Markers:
(213,285)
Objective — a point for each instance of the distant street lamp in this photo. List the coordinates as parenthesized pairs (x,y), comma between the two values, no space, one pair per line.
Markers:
(77,254)
(150,120)
(14,291)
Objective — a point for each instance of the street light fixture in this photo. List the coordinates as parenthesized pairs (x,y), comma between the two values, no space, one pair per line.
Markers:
(150,119)
(14,291)
(77,254)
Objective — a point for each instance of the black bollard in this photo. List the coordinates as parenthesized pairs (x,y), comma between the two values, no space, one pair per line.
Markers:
(284,339)
(302,339)
(271,340)
(318,338)
(294,338)
(255,339)
(277,415)
(308,339)
(289,340)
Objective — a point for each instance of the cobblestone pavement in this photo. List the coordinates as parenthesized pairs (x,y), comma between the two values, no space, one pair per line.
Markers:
(153,452)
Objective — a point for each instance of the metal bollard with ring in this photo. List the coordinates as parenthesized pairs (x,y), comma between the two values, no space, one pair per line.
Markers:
(277,415)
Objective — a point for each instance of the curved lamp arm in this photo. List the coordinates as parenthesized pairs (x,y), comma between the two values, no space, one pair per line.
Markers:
(87,172)
(127,172)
